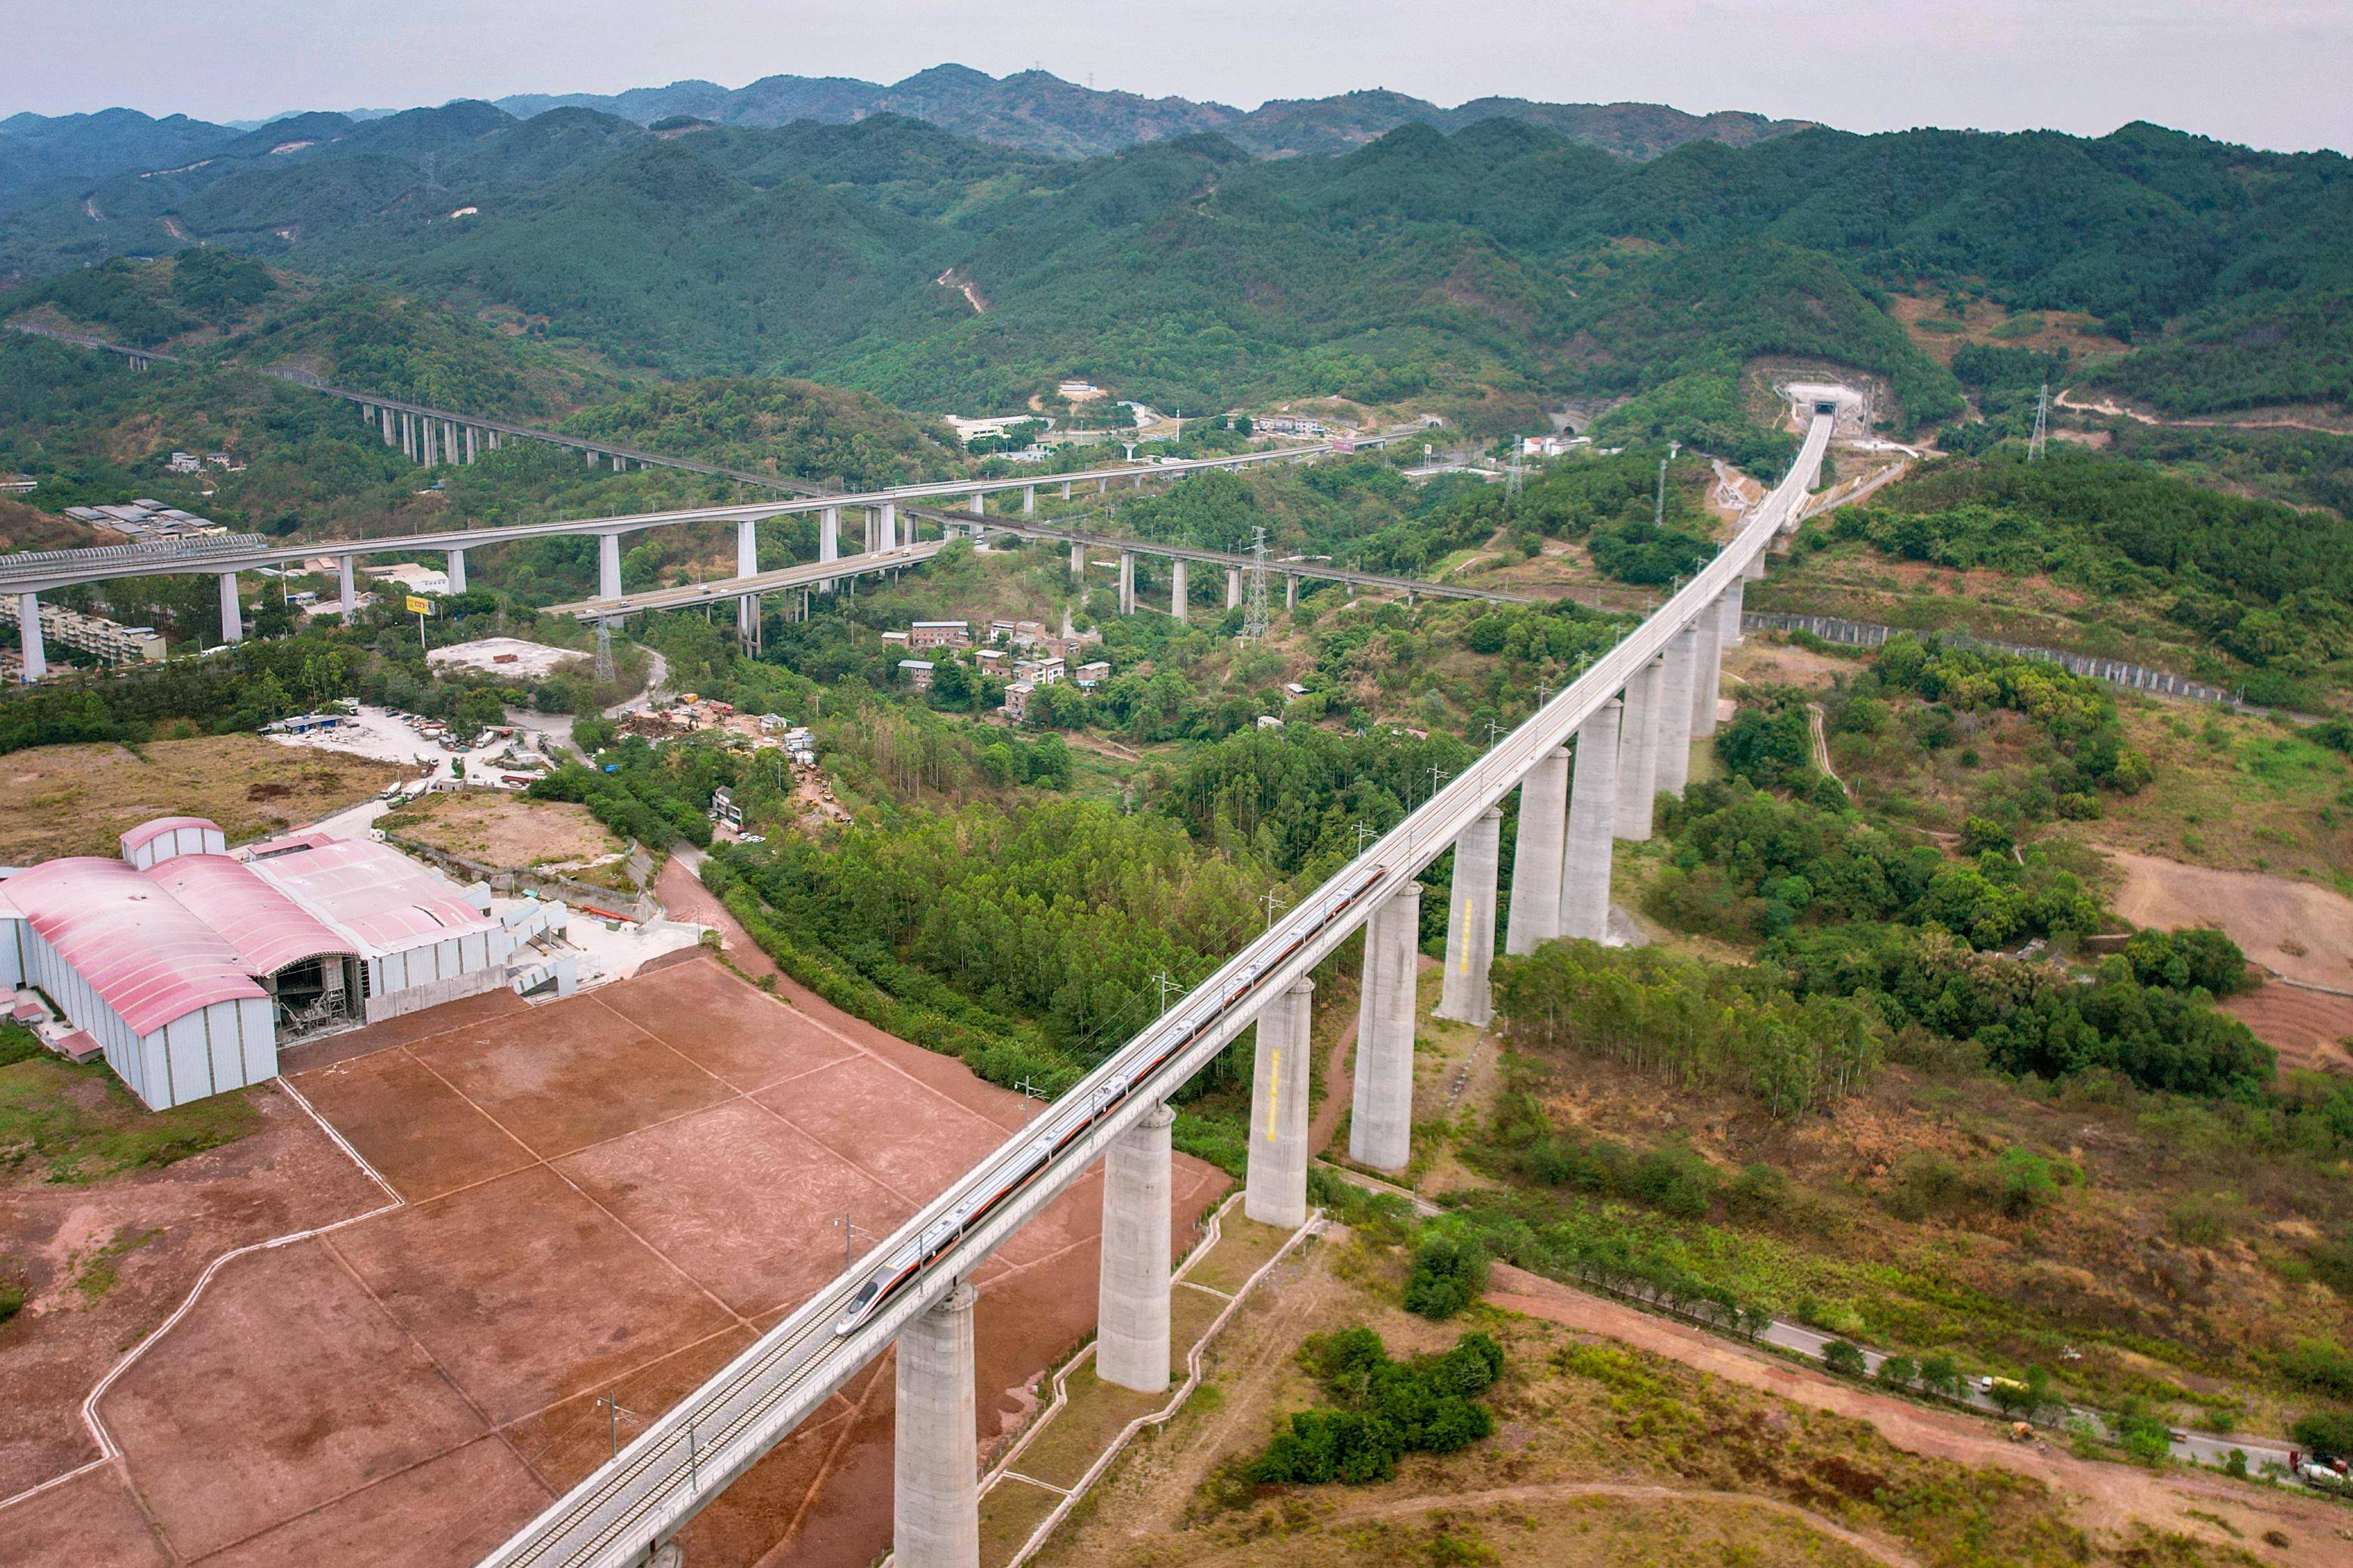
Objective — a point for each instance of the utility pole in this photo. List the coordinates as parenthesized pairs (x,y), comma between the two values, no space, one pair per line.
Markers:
(2034,448)
(1030,1093)
(1272,901)
(850,1231)
(612,1413)
(1166,984)
(1365,833)
(1658,514)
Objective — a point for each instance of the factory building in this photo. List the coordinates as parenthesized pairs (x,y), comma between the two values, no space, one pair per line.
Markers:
(189,967)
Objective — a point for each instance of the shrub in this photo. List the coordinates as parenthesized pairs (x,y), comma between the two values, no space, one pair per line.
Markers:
(1925,1183)
(1757,1193)
(2324,1431)
(1449,1273)
(1384,1409)
(2319,1364)
(2026,1182)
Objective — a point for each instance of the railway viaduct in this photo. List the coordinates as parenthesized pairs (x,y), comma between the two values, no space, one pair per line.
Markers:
(1589,765)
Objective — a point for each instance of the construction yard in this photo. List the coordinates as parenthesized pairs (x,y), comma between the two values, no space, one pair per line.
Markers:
(604,1197)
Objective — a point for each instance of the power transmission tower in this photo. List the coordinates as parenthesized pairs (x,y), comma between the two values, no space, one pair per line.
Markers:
(1254,605)
(2041,425)
(1659,512)
(603,651)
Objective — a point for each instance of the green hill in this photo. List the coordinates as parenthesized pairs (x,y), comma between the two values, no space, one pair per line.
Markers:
(1489,272)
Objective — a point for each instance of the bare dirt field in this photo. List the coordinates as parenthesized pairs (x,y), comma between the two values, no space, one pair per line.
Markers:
(2307,1028)
(1622,1439)
(1760,661)
(104,1263)
(2302,931)
(607,1196)
(77,800)
(500,829)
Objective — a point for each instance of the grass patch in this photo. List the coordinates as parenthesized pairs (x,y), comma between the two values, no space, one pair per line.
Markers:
(65,1124)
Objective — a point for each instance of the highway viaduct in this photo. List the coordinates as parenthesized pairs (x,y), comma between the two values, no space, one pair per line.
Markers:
(1589,766)
(887,514)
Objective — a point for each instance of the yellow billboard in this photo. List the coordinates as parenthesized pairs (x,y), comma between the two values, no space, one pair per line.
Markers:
(417,607)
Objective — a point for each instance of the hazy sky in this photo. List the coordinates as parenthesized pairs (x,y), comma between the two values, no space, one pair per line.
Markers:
(2272,72)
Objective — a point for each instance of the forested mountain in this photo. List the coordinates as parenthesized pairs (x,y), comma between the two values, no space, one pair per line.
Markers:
(1488,272)
(1039,112)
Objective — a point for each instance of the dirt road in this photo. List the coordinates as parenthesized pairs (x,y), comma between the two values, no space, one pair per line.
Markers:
(1629,1491)
(2107,1497)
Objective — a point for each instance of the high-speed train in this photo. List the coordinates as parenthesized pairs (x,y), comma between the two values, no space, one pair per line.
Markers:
(1133,1069)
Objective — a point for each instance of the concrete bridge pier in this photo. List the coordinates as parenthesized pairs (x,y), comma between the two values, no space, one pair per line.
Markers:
(1028,500)
(1673,733)
(1066,489)
(1103,487)
(473,443)
(233,618)
(609,566)
(1592,826)
(429,436)
(408,437)
(1233,586)
(1078,562)
(1708,673)
(1132,1309)
(1537,858)
(1471,921)
(1276,1189)
(1380,1124)
(384,419)
(1177,590)
(747,563)
(1637,754)
(1127,583)
(1729,634)
(889,525)
(935,1458)
(28,632)
(828,540)
(979,505)
(1289,593)
(590,454)
(347,588)
(457,571)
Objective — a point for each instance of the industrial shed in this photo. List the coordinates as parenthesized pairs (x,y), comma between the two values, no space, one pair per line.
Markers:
(165,996)
(189,967)
(420,942)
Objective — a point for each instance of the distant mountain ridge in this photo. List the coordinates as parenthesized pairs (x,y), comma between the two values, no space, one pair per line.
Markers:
(1034,111)
(1038,112)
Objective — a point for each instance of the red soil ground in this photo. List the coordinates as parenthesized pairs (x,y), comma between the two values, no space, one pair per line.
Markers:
(611,1194)
(2307,1028)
